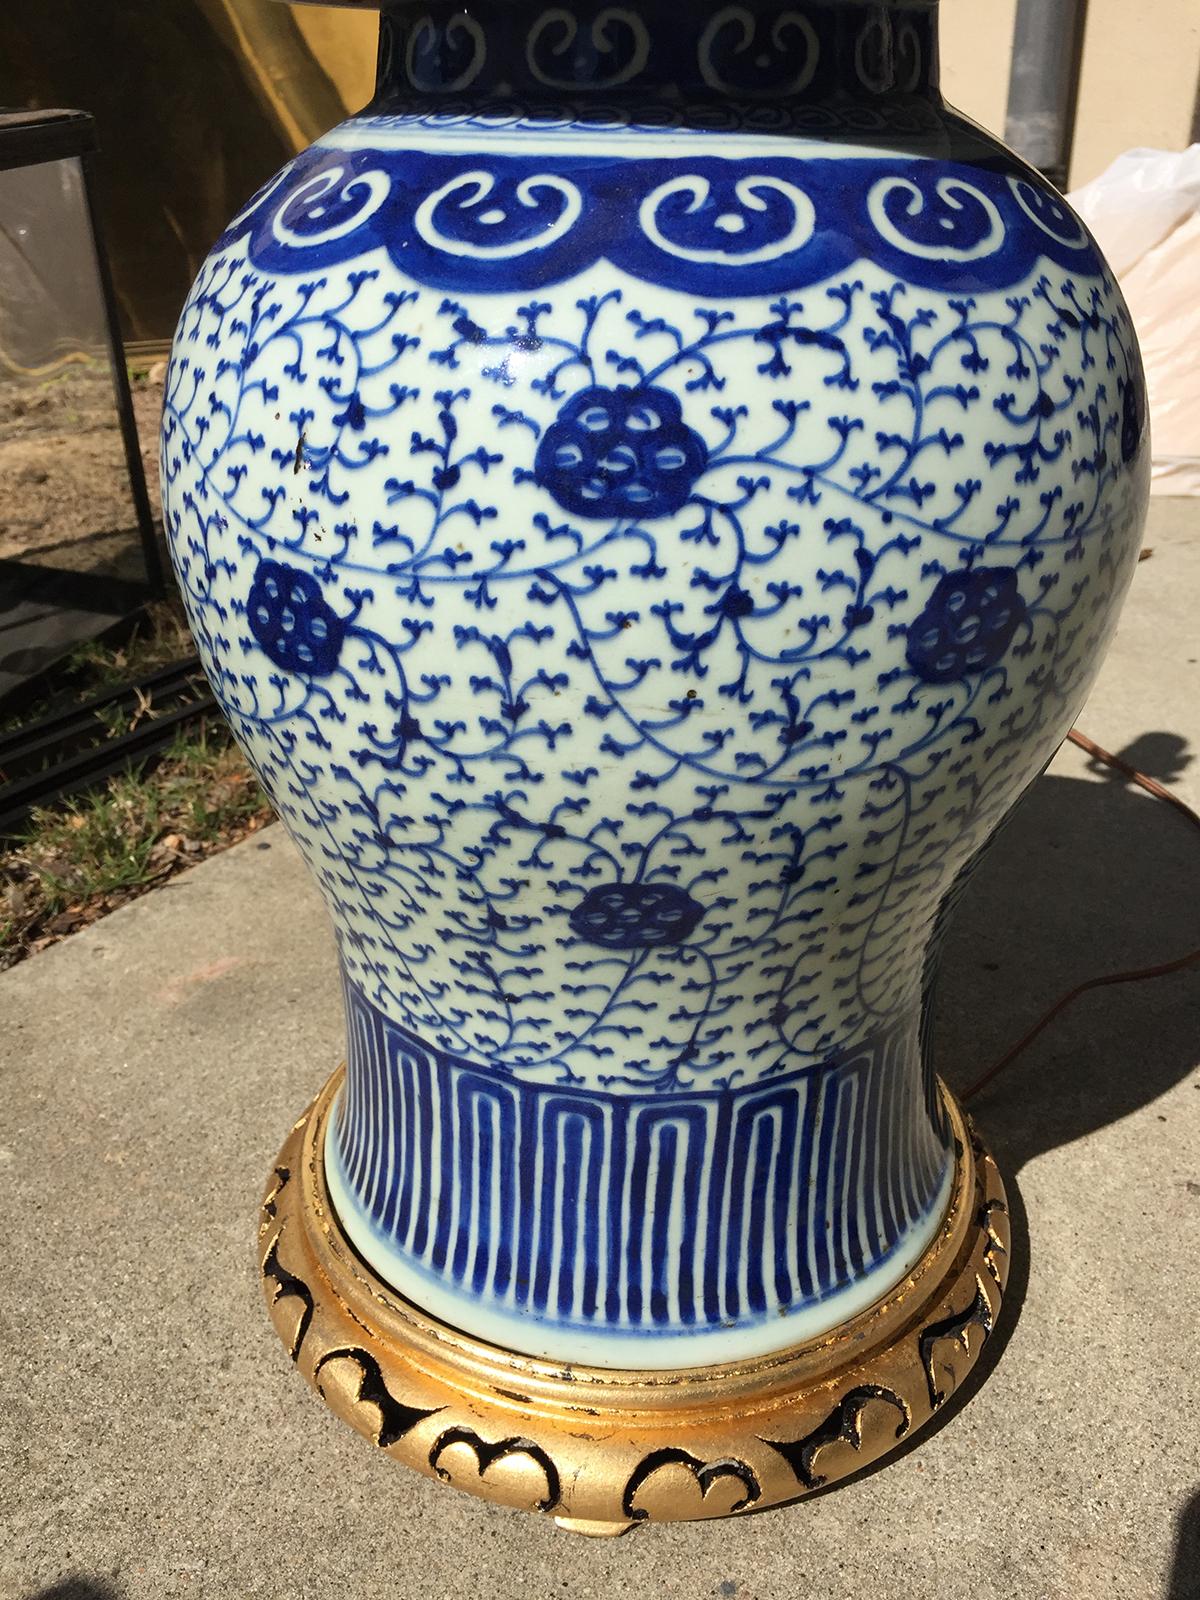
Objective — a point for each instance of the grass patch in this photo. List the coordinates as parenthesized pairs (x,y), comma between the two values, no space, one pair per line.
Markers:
(99,847)
(77,861)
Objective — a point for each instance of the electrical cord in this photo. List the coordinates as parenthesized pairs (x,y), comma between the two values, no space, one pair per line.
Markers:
(1135,975)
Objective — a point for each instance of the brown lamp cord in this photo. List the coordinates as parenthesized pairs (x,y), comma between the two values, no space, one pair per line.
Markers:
(1136,975)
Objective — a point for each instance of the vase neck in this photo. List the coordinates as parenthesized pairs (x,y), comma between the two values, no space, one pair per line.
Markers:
(702,53)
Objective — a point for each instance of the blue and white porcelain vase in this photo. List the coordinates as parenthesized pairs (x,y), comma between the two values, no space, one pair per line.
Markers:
(650,493)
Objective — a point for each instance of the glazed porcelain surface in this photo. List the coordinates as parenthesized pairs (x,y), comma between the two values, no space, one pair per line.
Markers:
(650,494)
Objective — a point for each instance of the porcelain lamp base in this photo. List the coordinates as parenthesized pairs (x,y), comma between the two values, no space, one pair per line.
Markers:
(601,1450)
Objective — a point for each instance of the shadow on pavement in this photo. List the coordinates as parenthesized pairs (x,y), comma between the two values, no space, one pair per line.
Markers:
(79,1588)
(1185,1571)
(1087,878)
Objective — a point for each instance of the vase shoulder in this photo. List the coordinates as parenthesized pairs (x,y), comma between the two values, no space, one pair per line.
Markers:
(460,201)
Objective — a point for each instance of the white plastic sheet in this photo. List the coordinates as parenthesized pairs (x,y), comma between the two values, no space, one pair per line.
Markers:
(1145,213)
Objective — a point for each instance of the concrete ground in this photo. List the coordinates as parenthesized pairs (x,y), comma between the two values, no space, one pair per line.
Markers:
(155,1442)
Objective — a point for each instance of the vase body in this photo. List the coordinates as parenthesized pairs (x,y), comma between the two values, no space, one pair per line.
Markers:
(649,495)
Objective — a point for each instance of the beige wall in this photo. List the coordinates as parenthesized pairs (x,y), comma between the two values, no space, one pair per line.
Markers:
(976,42)
(1141,67)
(1138,83)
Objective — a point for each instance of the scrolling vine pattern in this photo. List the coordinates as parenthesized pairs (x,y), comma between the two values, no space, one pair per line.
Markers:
(812,572)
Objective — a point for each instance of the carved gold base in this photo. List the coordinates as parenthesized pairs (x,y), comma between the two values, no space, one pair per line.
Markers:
(601,1450)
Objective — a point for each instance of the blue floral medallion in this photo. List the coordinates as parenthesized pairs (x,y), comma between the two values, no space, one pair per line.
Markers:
(620,452)
(627,916)
(967,624)
(291,622)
